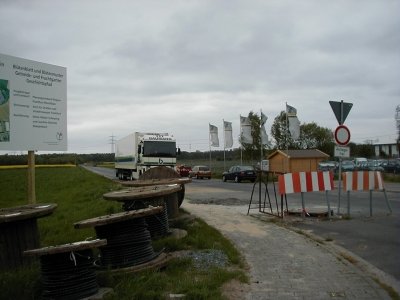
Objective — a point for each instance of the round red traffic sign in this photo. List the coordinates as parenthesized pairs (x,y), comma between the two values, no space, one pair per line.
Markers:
(342,135)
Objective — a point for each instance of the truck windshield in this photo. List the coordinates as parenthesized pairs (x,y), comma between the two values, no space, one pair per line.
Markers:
(159,149)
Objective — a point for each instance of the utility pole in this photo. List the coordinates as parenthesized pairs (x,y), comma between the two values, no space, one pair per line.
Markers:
(112,142)
(397,117)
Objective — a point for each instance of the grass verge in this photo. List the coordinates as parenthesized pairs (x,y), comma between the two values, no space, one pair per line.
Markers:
(78,194)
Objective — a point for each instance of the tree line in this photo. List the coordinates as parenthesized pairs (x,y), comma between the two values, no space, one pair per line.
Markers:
(311,136)
(57,158)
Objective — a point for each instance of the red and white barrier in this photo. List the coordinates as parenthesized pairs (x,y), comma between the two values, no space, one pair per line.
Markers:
(303,182)
(362,181)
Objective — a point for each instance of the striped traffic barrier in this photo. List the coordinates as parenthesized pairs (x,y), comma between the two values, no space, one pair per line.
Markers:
(305,182)
(364,181)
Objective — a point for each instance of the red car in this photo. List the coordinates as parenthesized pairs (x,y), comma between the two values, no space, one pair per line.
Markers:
(183,170)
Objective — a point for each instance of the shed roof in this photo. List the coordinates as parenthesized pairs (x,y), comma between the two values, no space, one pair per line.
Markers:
(307,153)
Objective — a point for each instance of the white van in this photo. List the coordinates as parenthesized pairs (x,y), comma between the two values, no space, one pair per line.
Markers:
(360,162)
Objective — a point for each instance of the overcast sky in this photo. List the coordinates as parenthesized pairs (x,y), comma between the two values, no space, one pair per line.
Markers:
(176,66)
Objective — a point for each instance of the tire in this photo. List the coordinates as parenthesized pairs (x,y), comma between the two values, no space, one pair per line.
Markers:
(237,179)
(223,178)
(252,180)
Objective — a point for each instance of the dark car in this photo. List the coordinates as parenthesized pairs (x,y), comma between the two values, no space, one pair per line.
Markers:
(375,165)
(327,166)
(391,166)
(240,173)
(200,172)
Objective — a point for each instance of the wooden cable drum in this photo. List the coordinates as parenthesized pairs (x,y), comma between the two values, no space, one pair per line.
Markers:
(140,193)
(19,232)
(141,197)
(67,271)
(128,239)
(163,181)
(18,213)
(118,217)
(151,182)
(165,173)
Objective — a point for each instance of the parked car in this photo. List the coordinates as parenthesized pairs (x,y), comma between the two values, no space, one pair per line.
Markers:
(200,172)
(391,166)
(347,166)
(327,166)
(375,165)
(183,170)
(240,173)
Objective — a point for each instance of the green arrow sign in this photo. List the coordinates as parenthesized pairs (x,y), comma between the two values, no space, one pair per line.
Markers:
(341,110)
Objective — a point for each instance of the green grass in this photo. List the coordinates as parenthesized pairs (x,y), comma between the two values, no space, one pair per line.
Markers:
(78,194)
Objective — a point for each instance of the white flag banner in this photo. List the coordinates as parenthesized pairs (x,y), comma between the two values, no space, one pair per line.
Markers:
(264,136)
(294,127)
(228,134)
(264,119)
(291,111)
(214,141)
(245,128)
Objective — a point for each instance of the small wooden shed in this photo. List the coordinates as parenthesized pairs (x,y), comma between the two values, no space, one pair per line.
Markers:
(286,161)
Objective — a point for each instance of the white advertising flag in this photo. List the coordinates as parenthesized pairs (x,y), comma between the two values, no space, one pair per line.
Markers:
(294,127)
(245,128)
(214,141)
(291,111)
(228,134)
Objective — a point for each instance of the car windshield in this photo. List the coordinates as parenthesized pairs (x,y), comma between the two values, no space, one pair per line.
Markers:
(246,168)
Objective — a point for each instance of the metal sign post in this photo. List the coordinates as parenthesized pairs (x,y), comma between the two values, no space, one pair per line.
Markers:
(342,135)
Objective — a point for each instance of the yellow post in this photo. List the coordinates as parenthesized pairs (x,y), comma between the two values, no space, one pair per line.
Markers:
(31,177)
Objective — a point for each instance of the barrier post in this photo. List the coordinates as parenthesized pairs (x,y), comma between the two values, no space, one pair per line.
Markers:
(329,205)
(370,203)
(303,212)
(387,201)
(348,203)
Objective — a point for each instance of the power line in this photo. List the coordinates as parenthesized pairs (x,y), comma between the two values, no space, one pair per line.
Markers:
(112,142)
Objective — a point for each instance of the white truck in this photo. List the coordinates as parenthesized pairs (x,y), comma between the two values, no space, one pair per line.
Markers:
(140,151)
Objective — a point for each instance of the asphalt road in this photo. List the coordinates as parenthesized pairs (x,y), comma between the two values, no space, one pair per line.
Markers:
(376,239)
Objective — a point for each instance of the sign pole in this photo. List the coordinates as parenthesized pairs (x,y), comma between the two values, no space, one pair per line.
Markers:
(342,134)
(340,160)
(31,177)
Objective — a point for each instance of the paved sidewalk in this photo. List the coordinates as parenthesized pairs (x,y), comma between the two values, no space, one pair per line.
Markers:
(285,264)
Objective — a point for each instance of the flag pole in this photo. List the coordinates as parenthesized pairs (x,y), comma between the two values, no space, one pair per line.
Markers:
(209,142)
(287,139)
(241,140)
(223,126)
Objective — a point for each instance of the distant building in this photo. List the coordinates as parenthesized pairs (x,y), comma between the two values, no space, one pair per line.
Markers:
(389,150)
(286,161)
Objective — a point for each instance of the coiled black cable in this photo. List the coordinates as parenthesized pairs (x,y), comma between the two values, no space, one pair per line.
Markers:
(128,244)
(69,275)
(158,224)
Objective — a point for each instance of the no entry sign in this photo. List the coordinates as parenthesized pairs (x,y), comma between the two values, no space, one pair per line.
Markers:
(342,135)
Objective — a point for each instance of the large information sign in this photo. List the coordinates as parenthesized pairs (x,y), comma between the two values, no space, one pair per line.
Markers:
(33,105)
